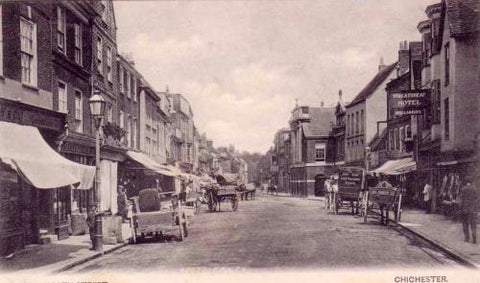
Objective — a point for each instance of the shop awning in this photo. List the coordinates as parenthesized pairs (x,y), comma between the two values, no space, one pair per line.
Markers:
(178,172)
(397,167)
(24,149)
(150,163)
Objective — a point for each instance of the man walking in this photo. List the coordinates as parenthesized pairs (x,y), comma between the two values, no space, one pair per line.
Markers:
(468,209)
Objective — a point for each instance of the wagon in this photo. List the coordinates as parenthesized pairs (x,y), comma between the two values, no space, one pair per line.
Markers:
(350,187)
(151,219)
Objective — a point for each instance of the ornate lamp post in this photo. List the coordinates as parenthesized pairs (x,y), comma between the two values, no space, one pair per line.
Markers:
(97,110)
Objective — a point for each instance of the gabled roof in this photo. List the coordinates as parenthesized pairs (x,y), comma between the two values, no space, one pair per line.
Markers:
(464,16)
(370,88)
(320,121)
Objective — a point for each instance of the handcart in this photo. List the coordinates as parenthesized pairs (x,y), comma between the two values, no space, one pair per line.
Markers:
(384,197)
(152,219)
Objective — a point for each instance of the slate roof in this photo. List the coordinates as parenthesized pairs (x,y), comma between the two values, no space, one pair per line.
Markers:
(320,121)
(464,16)
(373,84)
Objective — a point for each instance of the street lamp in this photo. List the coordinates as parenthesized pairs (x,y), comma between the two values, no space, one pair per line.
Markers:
(97,110)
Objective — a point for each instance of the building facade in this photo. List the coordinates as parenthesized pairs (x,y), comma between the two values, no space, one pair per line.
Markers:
(365,114)
(311,148)
(451,47)
(182,142)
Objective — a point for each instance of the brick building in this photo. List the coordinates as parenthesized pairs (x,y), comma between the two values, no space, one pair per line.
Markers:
(311,149)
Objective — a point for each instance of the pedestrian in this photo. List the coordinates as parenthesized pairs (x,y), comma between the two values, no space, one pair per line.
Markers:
(427,197)
(122,202)
(468,209)
(91,223)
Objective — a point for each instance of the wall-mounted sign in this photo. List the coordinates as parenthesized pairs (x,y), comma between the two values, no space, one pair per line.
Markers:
(412,102)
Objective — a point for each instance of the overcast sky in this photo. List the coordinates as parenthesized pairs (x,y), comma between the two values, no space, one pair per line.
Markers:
(242,64)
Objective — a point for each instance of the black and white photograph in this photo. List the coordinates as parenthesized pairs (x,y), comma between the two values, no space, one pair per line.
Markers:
(239,141)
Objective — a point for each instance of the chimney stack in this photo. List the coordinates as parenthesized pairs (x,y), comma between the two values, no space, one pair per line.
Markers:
(382,64)
(403,59)
(321,103)
(340,94)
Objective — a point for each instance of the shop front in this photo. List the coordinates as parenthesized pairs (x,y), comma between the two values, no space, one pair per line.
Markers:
(401,173)
(139,172)
(35,186)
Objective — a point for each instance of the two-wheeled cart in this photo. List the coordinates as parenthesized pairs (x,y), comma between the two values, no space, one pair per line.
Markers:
(350,187)
(218,194)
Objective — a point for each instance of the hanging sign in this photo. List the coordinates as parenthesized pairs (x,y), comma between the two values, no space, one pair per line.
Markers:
(411,102)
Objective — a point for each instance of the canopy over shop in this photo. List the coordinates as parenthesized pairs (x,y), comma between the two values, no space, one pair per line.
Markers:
(25,151)
(402,173)
(141,172)
(35,183)
(397,167)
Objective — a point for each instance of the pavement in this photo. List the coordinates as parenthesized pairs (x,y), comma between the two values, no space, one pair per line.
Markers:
(54,257)
(442,231)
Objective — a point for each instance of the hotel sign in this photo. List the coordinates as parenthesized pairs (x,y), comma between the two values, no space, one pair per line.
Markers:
(412,102)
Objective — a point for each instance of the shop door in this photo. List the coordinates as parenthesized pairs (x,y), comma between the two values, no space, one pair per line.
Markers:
(11,230)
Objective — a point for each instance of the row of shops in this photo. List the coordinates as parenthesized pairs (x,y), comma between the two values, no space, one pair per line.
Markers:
(47,176)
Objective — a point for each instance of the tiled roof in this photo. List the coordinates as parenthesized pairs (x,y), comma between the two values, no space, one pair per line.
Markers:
(320,121)
(373,84)
(464,16)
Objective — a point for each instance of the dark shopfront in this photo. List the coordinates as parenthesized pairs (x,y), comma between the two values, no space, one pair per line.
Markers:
(25,210)
(134,175)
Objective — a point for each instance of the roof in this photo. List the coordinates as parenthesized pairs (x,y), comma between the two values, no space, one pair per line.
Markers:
(379,78)
(464,16)
(320,121)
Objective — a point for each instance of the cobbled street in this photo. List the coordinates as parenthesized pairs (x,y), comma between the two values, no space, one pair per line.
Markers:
(276,232)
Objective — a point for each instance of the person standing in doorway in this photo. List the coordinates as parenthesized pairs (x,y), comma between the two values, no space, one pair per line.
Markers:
(468,209)
(91,223)
(427,197)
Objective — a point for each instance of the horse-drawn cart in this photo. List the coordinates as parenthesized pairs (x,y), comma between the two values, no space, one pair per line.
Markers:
(152,219)
(350,187)
(217,195)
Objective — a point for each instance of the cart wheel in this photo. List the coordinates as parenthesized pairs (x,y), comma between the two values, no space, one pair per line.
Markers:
(235,203)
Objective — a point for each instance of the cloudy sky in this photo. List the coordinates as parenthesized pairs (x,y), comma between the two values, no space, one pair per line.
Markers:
(242,64)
